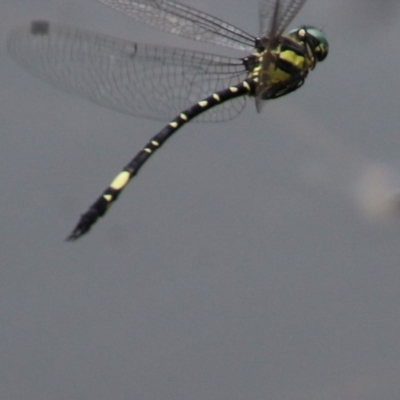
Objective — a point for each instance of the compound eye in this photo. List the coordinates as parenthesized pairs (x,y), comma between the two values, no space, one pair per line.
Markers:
(319,42)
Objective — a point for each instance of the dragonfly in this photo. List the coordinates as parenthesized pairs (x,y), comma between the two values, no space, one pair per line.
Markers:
(159,82)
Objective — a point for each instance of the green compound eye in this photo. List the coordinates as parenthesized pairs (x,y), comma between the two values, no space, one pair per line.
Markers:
(315,38)
(323,47)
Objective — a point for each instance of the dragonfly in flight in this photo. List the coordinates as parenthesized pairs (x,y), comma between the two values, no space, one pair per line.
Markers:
(159,82)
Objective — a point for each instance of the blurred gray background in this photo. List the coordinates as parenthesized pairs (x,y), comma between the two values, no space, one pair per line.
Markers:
(253,259)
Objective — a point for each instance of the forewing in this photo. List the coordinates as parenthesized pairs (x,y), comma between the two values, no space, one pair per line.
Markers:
(143,80)
(185,21)
(276,15)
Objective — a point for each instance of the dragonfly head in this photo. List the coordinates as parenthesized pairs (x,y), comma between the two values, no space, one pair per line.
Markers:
(314,38)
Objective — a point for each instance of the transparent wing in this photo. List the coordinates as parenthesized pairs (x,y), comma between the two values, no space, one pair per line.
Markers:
(172,17)
(276,15)
(142,80)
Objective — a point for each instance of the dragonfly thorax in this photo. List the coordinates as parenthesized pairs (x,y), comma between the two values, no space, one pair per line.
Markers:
(281,68)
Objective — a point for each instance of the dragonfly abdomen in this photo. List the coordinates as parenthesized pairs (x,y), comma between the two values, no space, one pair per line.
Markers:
(110,195)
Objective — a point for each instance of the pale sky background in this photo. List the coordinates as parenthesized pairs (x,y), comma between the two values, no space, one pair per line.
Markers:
(253,259)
